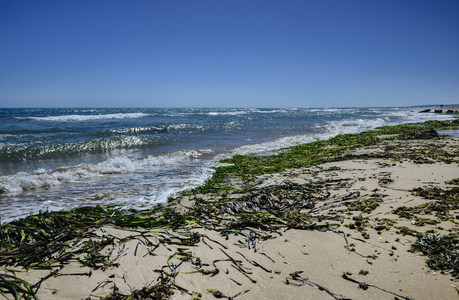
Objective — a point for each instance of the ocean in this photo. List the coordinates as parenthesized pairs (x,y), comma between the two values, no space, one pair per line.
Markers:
(61,158)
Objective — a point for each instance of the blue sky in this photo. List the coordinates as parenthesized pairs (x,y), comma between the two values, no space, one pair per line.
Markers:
(228,53)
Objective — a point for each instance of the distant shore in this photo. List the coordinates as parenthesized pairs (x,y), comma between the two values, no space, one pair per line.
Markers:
(357,225)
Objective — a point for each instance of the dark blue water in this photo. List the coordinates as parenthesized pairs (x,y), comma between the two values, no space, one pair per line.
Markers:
(62,158)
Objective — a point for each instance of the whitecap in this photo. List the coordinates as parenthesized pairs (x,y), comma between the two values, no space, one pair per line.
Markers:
(17,183)
(81,118)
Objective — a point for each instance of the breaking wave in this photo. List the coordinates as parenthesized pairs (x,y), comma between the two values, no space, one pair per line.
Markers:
(81,118)
(12,184)
(102,145)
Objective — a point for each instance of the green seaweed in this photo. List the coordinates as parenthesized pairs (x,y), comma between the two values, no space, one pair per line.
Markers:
(454,181)
(10,284)
(364,205)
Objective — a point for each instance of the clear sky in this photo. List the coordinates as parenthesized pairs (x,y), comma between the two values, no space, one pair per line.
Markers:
(228,53)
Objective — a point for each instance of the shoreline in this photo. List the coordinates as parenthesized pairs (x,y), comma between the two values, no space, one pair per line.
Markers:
(340,226)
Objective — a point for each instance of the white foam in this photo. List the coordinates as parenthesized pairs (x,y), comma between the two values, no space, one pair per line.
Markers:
(336,128)
(354,126)
(173,185)
(274,145)
(13,184)
(134,130)
(330,130)
(81,118)
(181,126)
(136,190)
(332,110)
(410,115)
(232,125)
(227,113)
(103,144)
(273,111)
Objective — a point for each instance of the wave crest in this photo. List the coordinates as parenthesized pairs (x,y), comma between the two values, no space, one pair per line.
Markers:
(13,184)
(103,145)
(81,118)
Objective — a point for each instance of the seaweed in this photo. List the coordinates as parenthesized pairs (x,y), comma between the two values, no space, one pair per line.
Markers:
(442,252)
(247,166)
(364,205)
(365,286)
(162,290)
(448,198)
(407,231)
(443,201)
(409,132)
(66,236)
(61,236)
(17,287)
(454,181)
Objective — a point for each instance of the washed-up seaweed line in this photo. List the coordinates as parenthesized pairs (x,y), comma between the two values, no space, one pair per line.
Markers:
(54,233)
(256,216)
(51,240)
(269,209)
(63,237)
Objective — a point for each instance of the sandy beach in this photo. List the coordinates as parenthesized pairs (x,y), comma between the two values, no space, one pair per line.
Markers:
(345,230)
(239,150)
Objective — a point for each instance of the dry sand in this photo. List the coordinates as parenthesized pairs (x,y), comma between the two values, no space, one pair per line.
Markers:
(319,258)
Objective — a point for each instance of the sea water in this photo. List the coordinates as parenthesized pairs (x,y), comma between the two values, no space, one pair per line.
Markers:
(56,158)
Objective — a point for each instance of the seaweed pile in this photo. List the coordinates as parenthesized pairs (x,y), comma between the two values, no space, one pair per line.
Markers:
(51,240)
(270,208)
(442,251)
